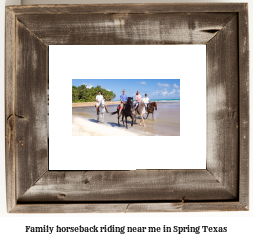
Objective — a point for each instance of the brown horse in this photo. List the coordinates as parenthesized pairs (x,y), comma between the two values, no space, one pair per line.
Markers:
(151,107)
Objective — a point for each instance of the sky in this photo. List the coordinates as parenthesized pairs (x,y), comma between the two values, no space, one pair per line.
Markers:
(155,88)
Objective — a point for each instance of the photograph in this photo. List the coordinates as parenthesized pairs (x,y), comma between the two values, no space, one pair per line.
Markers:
(126,107)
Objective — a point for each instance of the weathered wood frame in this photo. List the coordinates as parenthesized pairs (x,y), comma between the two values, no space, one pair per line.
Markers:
(223,186)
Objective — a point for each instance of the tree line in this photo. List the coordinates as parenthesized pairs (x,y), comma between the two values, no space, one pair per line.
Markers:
(84,94)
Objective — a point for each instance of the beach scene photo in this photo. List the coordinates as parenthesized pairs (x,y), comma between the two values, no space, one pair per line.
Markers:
(125,107)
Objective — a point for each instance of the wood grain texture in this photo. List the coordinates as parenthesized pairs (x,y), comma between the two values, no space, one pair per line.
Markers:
(9,108)
(139,185)
(118,29)
(30,108)
(129,207)
(186,207)
(244,106)
(223,107)
(155,8)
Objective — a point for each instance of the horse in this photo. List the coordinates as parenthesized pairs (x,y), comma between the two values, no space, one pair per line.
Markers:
(141,111)
(125,112)
(151,109)
(101,111)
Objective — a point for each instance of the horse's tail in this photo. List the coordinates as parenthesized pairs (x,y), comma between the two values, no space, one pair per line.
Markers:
(112,113)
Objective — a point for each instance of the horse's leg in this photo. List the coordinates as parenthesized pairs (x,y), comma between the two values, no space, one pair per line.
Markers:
(143,120)
(118,116)
(135,116)
(132,120)
(123,119)
(121,115)
(126,121)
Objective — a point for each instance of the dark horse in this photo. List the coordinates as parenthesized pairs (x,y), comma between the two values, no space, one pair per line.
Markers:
(126,112)
(151,109)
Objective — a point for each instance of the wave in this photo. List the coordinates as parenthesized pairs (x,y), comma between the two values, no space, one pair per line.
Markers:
(165,100)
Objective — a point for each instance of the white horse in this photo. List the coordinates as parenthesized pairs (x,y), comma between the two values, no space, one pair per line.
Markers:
(141,111)
(101,111)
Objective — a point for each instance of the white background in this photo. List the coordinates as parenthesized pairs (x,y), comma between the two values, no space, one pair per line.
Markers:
(187,151)
(239,223)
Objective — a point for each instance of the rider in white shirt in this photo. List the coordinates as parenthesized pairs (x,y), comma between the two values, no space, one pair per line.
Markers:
(98,98)
(146,100)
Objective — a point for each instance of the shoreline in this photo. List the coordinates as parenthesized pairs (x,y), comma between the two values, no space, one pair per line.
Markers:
(84,127)
(92,104)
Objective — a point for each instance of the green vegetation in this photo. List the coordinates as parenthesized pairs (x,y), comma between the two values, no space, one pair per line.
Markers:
(83,94)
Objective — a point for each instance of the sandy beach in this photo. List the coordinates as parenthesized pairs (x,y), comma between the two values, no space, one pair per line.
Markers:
(90,104)
(84,127)
(166,122)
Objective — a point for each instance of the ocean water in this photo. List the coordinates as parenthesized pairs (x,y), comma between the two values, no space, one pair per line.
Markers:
(165,100)
(161,100)
(165,120)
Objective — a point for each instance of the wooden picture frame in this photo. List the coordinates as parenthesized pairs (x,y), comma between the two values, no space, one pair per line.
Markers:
(222,186)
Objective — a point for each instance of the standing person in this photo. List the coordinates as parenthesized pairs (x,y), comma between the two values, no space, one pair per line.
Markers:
(123,100)
(146,100)
(138,99)
(98,98)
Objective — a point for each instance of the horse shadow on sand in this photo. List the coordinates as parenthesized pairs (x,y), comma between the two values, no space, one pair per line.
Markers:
(93,120)
(112,124)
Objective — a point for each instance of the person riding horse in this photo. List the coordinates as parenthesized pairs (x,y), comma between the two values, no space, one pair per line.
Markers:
(125,109)
(138,99)
(123,100)
(149,107)
(147,101)
(99,97)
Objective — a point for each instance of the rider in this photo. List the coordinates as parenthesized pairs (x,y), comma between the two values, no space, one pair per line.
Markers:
(123,100)
(98,98)
(138,99)
(146,100)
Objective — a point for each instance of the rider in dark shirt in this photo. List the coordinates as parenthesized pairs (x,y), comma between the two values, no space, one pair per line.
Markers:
(123,100)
